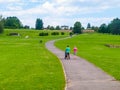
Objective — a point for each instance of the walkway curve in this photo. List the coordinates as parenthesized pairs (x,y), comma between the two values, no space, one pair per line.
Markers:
(82,75)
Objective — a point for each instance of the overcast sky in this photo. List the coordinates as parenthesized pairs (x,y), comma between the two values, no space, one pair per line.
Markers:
(61,12)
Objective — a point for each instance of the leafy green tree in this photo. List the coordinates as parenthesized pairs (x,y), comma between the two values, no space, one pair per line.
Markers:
(83,28)
(88,26)
(58,27)
(114,26)
(39,24)
(26,27)
(77,28)
(71,28)
(103,29)
(52,28)
(48,27)
(12,22)
(1,24)
(95,28)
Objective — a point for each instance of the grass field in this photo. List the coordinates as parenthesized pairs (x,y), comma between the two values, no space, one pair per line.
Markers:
(92,48)
(25,64)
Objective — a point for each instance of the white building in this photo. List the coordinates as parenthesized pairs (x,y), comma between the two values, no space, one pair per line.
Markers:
(64,27)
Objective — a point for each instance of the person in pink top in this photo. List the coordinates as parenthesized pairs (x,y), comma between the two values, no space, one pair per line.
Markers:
(75,50)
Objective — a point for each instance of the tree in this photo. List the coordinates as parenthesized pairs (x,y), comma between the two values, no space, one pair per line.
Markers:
(71,28)
(77,28)
(48,27)
(12,22)
(1,24)
(88,26)
(26,27)
(95,28)
(52,28)
(103,29)
(58,27)
(39,24)
(114,26)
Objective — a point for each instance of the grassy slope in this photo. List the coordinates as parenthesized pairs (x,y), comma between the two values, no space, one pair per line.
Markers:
(25,64)
(92,47)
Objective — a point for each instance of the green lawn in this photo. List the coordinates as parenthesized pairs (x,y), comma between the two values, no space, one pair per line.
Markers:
(92,48)
(25,64)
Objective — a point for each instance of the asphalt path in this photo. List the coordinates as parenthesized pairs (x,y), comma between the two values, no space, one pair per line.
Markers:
(82,75)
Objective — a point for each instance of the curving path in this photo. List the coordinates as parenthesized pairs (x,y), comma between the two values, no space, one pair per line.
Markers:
(82,75)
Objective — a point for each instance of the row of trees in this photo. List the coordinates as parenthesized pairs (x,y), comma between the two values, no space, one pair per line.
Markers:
(1,25)
(14,23)
(113,27)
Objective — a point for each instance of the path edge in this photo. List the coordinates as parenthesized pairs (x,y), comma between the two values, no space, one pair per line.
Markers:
(65,88)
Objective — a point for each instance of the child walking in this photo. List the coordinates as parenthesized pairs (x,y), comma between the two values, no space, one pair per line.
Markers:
(67,52)
(75,50)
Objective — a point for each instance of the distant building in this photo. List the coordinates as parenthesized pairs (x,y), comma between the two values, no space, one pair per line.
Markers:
(88,31)
(64,27)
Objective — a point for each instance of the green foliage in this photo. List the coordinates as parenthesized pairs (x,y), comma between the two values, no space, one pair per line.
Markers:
(62,33)
(43,34)
(12,23)
(88,26)
(95,28)
(77,28)
(114,26)
(92,48)
(48,27)
(1,25)
(14,34)
(52,28)
(71,28)
(39,24)
(103,29)
(71,33)
(58,27)
(26,27)
(55,33)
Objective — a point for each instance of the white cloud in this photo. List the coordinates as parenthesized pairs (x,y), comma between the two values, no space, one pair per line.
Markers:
(9,1)
(34,0)
(15,8)
(58,12)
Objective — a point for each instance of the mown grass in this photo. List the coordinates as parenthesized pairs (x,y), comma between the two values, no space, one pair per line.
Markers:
(92,48)
(25,64)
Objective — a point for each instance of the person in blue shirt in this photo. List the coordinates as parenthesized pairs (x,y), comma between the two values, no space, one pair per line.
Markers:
(67,52)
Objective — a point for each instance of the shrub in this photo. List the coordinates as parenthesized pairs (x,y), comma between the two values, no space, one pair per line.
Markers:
(55,33)
(43,34)
(70,33)
(62,33)
(14,34)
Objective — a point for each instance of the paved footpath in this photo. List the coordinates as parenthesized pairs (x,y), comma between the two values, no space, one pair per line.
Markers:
(82,75)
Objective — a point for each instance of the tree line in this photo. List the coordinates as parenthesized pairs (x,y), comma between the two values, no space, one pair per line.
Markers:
(14,23)
(113,27)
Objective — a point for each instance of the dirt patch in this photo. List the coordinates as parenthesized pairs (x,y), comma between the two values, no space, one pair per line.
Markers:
(112,45)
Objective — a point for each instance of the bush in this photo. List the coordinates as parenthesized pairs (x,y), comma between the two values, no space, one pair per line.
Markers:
(70,33)
(1,28)
(62,33)
(14,34)
(43,34)
(55,33)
